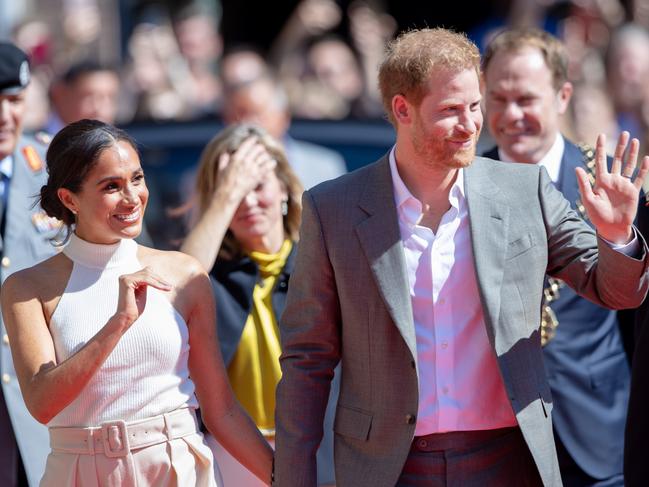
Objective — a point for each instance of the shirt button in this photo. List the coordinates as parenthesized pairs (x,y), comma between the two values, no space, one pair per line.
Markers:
(6,261)
(5,339)
(445,390)
(411,418)
(6,378)
(444,345)
(442,301)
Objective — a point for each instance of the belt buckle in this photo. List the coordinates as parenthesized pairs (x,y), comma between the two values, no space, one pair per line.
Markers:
(115,432)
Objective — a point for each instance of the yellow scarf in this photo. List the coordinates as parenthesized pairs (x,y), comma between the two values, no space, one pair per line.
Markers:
(254,371)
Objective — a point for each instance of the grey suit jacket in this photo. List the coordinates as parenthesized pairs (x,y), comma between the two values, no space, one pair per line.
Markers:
(26,241)
(348,301)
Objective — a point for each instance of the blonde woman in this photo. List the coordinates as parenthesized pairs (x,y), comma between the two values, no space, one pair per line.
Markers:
(248,205)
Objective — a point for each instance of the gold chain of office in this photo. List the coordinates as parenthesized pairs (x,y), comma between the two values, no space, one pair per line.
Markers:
(549,321)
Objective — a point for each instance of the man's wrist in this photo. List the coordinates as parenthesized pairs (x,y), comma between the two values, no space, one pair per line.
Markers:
(618,238)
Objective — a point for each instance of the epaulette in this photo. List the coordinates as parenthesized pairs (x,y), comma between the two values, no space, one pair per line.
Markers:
(32,158)
(43,137)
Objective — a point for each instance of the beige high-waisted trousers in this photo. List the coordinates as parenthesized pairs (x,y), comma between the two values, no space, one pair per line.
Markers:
(162,451)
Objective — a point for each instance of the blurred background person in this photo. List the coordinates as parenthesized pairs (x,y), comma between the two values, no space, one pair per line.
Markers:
(245,235)
(591,112)
(627,68)
(26,232)
(331,85)
(326,75)
(242,64)
(200,45)
(527,93)
(154,73)
(86,90)
(263,101)
(173,58)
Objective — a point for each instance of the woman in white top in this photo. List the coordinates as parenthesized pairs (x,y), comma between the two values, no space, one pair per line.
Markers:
(106,334)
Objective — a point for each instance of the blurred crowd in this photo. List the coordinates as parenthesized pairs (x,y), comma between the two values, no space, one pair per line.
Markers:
(175,65)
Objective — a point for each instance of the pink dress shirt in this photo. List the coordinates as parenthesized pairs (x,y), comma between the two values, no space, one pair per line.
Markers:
(460,386)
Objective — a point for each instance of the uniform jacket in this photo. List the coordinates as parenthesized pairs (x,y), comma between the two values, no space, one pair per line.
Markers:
(25,242)
(587,366)
(349,302)
(233,282)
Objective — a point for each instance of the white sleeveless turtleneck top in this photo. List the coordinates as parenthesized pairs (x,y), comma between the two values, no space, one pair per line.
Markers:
(146,374)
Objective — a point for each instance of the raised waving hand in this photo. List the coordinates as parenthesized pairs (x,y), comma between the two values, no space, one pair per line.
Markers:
(612,201)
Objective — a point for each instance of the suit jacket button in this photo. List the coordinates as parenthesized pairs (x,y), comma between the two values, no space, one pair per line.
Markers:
(412,364)
(411,418)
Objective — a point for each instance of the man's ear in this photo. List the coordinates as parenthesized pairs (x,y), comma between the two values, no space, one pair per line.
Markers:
(563,97)
(402,110)
(69,200)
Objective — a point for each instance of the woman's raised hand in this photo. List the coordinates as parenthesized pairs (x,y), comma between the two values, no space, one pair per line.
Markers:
(132,293)
(241,171)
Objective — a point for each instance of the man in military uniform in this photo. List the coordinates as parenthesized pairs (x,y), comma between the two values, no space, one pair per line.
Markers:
(25,240)
(527,92)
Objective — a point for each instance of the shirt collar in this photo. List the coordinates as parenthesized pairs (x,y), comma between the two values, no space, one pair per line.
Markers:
(7,167)
(410,207)
(551,160)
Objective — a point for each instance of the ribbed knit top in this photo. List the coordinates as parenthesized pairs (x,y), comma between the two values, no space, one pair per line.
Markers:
(146,374)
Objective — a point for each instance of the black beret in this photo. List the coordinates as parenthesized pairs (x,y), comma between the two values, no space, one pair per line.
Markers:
(14,69)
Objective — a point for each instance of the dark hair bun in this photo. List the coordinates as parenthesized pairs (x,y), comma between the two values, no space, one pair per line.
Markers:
(53,206)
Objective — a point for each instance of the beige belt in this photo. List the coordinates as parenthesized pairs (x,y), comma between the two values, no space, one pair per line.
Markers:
(118,438)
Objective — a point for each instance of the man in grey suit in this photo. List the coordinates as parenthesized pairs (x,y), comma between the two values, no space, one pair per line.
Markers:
(25,240)
(422,274)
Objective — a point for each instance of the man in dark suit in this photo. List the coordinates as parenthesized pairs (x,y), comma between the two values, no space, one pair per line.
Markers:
(26,233)
(636,465)
(422,275)
(527,92)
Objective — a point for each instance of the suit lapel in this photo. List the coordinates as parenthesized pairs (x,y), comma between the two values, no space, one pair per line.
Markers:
(489,224)
(380,240)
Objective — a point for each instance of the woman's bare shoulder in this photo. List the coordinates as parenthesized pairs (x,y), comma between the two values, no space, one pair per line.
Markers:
(175,265)
(190,284)
(44,280)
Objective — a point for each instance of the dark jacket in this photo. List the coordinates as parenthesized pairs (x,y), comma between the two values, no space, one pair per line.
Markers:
(233,282)
(636,466)
(26,240)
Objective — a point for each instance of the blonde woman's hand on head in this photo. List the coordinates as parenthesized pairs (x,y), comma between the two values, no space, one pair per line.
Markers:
(241,171)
